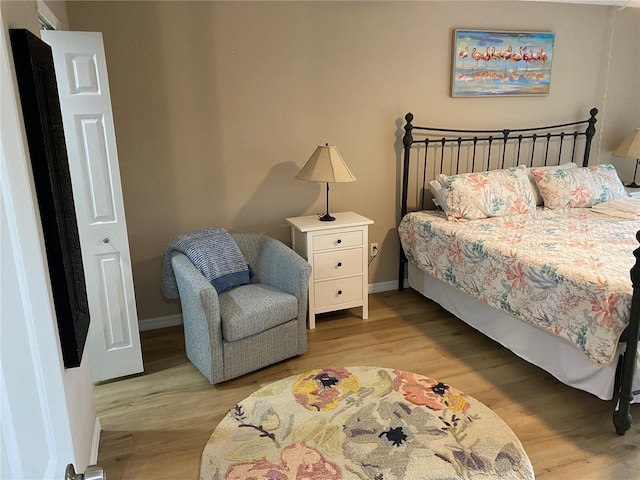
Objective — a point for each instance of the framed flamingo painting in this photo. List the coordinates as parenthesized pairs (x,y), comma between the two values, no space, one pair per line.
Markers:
(490,63)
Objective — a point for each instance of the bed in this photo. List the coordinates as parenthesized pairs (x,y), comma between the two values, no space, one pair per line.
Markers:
(515,233)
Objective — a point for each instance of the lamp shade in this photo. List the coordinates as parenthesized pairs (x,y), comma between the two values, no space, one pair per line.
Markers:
(326,165)
(630,148)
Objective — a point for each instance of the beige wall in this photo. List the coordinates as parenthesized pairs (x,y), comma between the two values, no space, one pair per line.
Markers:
(59,10)
(217,105)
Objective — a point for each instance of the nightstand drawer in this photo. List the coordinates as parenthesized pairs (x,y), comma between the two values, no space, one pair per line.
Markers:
(338,263)
(335,292)
(337,240)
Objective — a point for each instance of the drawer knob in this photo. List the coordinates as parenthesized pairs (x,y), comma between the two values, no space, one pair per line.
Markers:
(338,241)
(339,264)
(339,292)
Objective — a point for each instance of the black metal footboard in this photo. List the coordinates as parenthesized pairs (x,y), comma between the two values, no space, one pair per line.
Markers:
(622,418)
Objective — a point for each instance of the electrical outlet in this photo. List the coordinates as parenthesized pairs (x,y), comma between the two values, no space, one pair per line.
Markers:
(374,249)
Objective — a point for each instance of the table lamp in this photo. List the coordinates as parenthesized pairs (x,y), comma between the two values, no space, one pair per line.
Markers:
(630,148)
(326,165)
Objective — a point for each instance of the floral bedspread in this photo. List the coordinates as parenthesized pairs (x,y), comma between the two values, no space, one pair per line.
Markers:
(564,271)
(362,423)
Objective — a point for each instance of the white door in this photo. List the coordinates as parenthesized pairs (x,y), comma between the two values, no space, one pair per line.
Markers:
(35,436)
(113,342)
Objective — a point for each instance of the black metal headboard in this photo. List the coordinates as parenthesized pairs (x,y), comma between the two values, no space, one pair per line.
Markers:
(430,151)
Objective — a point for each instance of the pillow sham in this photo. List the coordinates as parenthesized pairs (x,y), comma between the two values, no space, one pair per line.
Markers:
(493,193)
(580,187)
(536,192)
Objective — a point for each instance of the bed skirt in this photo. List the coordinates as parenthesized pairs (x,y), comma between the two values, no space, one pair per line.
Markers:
(533,344)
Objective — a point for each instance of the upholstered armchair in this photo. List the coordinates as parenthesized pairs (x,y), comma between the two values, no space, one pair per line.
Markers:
(251,326)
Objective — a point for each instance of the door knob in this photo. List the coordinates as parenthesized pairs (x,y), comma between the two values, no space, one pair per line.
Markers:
(105,240)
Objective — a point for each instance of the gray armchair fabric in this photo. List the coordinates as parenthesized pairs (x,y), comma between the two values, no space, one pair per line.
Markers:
(251,326)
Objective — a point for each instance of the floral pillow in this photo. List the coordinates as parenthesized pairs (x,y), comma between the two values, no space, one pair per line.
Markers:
(580,187)
(536,192)
(494,193)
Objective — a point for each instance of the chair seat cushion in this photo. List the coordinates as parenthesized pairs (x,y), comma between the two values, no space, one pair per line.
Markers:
(254,308)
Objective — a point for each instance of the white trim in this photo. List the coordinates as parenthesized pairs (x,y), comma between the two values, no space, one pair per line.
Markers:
(387,286)
(383,286)
(605,88)
(160,322)
(47,15)
(95,442)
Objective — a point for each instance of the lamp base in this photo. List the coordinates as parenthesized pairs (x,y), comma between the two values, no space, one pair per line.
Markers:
(631,185)
(327,218)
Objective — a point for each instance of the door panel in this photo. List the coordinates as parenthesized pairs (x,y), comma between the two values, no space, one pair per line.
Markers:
(94,160)
(117,332)
(114,338)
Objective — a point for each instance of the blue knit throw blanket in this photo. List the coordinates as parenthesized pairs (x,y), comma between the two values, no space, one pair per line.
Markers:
(214,252)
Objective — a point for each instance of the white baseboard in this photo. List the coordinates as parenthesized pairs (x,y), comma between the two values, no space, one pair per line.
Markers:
(383,286)
(173,320)
(160,322)
(95,442)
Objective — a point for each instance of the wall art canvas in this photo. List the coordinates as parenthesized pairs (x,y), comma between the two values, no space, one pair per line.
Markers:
(52,180)
(489,63)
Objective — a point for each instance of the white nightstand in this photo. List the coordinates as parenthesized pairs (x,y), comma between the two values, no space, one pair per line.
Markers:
(337,252)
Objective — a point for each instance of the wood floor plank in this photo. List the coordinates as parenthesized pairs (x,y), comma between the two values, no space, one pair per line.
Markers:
(156,424)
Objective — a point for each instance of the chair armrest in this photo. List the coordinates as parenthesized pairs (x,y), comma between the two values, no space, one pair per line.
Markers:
(279,266)
(192,285)
(201,316)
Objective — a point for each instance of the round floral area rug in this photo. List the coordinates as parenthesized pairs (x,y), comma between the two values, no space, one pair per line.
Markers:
(362,423)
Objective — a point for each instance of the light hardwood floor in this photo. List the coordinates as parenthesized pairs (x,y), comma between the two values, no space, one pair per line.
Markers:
(156,424)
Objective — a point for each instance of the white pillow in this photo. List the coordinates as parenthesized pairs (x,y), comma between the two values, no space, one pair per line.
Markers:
(435,187)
